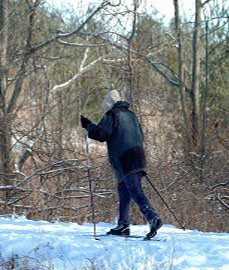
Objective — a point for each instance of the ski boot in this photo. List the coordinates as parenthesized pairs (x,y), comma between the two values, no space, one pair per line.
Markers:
(155,225)
(123,229)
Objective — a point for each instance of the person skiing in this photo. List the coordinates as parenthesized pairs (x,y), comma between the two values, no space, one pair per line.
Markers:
(122,132)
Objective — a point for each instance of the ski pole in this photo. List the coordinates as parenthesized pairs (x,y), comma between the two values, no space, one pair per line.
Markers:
(90,185)
(165,203)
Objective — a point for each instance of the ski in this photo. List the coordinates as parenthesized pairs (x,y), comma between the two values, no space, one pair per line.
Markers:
(144,238)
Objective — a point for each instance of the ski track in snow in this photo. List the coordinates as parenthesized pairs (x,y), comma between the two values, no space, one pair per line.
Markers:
(71,246)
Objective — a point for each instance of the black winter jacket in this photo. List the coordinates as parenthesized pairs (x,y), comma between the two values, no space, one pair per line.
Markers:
(121,130)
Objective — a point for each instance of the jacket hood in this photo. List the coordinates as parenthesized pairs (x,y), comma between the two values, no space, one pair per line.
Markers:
(110,99)
(122,104)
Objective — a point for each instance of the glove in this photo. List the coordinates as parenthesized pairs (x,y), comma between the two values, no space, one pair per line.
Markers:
(84,121)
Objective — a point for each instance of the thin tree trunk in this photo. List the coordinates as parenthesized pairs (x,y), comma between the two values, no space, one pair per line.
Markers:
(6,110)
(181,72)
(129,60)
(5,141)
(203,111)
(203,130)
(60,125)
(195,92)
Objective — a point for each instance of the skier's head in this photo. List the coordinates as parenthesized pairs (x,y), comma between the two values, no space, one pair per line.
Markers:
(110,99)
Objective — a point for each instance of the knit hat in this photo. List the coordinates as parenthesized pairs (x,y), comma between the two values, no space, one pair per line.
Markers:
(110,99)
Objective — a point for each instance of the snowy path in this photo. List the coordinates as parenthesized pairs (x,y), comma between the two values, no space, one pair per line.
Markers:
(67,246)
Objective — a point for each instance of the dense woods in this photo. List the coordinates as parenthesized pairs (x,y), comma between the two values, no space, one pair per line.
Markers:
(58,64)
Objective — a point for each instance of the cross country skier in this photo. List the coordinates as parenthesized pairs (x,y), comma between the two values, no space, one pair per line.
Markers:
(120,128)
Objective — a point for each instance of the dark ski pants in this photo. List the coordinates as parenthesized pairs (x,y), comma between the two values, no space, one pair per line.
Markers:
(131,189)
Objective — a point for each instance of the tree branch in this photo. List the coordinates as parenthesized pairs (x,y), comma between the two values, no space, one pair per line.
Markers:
(81,45)
(221,201)
(78,74)
(67,35)
(204,3)
(220,185)
(144,57)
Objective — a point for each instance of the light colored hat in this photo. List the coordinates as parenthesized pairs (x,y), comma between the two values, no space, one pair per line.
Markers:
(110,99)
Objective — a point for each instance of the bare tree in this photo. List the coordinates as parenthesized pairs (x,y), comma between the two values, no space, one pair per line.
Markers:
(11,89)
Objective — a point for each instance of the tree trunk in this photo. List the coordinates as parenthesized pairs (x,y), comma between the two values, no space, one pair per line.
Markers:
(60,125)
(182,90)
(195,92)
(131,86)
(5,134)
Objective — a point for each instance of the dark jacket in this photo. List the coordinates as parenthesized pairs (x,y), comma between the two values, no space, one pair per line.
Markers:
(121,130)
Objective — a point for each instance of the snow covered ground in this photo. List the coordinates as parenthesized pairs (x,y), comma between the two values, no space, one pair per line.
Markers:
(71,246)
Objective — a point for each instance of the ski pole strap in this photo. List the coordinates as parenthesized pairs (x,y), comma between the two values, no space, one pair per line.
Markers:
(165,203)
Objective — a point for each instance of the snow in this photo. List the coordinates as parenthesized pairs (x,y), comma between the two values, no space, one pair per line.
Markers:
(72,246)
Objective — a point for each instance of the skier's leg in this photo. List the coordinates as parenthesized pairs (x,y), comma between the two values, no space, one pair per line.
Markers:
(124,208)
(124,203)
(133,183)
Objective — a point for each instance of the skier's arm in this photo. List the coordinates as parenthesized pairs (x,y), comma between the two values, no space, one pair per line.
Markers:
(103,131)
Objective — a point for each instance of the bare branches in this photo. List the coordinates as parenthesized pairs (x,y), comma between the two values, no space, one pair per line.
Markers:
(115,5)
(221,193)
(222,200)
(220,185)
(82,45)
(205,2)
(134,24)
(54,196)
(154,64)
(72,33)
(21,73)
(79,73)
